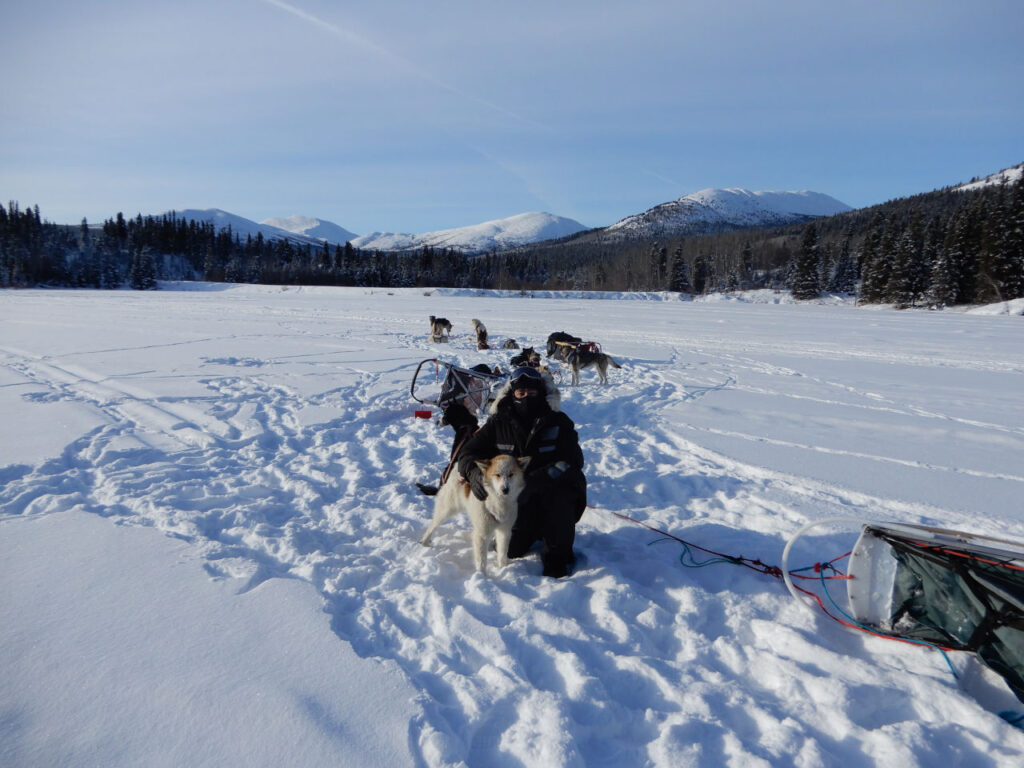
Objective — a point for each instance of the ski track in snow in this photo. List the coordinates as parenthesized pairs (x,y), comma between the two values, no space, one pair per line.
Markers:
(239,473)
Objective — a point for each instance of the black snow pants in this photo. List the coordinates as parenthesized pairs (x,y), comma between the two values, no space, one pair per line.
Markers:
(549,517)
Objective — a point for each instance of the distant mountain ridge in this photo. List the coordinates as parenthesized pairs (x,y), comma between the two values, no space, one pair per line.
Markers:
(241,226)
(500,234)
(719,210)
(319,229)
(703,212)
(496,235)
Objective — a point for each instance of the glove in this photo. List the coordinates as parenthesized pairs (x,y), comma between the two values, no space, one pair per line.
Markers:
(476,482)
(557,469)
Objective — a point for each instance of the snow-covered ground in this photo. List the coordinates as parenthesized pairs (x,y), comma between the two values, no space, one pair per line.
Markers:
(208,534)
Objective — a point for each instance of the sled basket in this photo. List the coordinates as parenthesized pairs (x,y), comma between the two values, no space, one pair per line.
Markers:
(956,590)
(440,384)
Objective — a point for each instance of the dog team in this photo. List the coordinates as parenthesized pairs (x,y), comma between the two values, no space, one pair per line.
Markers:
(571,350)
(519,478)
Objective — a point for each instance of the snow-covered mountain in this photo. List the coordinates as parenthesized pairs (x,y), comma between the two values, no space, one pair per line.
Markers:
(706,211)
(309,226)
(480,238)
(717,210)
(244,227)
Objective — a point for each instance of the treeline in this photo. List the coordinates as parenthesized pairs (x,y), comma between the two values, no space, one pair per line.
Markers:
(942,248)
(936,249)
(137,252)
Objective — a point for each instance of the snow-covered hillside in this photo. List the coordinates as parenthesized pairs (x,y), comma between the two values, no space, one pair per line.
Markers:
(209,534)
(309,226)
(495,235)
(241,226)
(1006,176)
(716,210)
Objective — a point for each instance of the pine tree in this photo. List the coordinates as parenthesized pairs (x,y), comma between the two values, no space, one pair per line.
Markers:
(700,274)
(934,237)
(876,265)
(844,276)
(142,274)
(958,259)
(746,265)
(804,279)
(941,291)
(900,289)
(680,279)
(1014,242)
(1005,257)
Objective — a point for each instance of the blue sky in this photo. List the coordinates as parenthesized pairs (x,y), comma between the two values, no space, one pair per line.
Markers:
(405,116)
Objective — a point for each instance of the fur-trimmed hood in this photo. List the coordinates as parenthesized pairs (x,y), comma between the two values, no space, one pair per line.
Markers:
(554,397)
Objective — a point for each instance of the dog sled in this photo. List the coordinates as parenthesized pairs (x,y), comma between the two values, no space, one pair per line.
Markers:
(438,384)
(941,588)
(933,587)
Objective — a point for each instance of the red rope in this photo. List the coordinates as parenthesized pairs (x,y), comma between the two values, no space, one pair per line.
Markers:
(775,571)
(967,556)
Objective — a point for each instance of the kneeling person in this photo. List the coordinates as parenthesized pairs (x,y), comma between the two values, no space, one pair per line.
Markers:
(526,420)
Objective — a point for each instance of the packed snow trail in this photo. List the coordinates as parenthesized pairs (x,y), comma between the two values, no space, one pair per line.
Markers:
(286,448)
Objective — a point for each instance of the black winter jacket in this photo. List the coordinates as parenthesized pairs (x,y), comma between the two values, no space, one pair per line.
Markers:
(549,439)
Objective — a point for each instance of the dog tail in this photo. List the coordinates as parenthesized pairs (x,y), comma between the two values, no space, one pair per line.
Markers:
(612,363)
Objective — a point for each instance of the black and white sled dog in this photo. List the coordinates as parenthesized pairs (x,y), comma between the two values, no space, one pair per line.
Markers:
(440,329)
(493,517)
(581,358)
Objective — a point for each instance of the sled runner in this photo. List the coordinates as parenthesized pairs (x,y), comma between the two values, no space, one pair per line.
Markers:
(440,384)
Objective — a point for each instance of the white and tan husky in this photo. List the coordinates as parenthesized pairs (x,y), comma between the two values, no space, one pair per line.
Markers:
(493,517)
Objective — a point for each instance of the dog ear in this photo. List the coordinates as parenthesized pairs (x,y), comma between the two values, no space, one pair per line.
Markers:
(483,465)
(524,461)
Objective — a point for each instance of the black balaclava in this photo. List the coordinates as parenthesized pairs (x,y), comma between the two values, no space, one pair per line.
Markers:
(528,408)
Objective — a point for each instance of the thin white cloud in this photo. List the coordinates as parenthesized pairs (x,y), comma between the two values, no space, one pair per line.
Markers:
(399,62)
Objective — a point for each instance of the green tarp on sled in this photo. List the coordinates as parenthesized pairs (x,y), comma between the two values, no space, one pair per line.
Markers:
(955,590)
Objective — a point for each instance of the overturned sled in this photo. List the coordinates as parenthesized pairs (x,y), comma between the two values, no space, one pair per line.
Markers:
(948,589)
(955,590)
(944,589)
(440,384)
